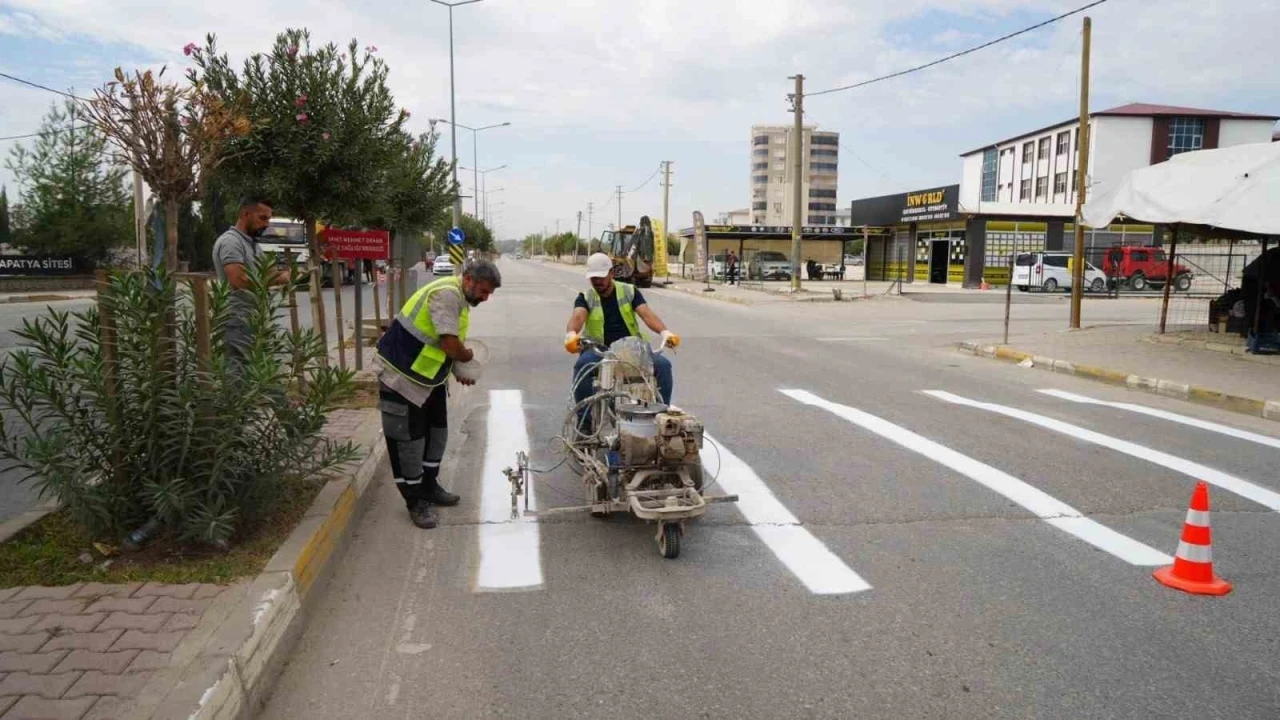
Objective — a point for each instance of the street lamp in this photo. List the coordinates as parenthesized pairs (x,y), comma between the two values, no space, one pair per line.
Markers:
(487,193)
(480,190)
(453,107)
(475,154)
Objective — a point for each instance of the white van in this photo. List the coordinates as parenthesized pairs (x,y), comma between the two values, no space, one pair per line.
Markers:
(1051,272)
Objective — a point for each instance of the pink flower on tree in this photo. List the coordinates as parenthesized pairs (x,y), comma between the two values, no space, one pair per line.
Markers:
(188,49)
(293,51)
(405,114)
(324,135)
(301,117)
(300,101)
(371,49)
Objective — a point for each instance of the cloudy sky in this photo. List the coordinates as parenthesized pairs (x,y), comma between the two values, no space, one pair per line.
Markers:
(598,93)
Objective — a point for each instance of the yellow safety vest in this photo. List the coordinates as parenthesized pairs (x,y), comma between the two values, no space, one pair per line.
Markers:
(411,346)
(625,294)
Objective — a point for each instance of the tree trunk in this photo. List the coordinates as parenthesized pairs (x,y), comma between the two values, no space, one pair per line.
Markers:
(171,235)
(317,302)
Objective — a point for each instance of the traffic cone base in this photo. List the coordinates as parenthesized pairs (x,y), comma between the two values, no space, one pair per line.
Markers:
(1213,586)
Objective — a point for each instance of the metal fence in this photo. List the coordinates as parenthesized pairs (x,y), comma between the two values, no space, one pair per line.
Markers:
(1208,291)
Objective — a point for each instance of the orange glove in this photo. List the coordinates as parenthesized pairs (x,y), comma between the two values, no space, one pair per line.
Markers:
(572,343)
(670,339)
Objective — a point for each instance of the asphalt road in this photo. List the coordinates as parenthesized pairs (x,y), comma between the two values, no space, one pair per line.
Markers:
(896,554)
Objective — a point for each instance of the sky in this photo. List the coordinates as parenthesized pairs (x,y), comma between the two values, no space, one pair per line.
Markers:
(598,93)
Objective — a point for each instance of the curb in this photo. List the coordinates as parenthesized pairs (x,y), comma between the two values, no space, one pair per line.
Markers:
(1268,409)
(14,299)
(226,667)
(22,521)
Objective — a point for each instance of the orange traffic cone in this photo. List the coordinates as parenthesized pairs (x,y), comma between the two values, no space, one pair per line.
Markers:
(1192,569)
(983,285)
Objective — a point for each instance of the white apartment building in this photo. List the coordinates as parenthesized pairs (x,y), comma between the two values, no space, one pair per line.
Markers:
(773,175)
(1035,174)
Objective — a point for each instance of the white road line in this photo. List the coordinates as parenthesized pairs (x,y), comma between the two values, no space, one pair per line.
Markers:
(510,556)
(1172,417)
(860,338)
(1042,505)
(1239,486)
(821,570)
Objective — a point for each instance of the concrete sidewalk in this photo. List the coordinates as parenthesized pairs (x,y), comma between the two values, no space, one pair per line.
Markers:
(61,295)
(1133,356)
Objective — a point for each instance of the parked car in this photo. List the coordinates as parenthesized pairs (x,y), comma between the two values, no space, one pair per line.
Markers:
(1141,265)
(715,266)
(852,260)
(442,266)
(769,265)
(1051,271)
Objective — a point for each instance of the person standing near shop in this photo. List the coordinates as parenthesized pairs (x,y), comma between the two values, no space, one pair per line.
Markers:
(416,356)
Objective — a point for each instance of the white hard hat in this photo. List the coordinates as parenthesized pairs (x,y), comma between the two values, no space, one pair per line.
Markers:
(599,265)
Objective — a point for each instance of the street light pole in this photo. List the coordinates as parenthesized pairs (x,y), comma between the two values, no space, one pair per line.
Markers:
(453,111)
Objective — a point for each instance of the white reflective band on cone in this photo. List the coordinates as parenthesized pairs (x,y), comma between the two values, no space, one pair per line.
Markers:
(1195,553)
(1198,517)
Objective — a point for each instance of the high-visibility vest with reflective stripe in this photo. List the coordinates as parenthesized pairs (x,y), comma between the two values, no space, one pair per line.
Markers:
(411,345)
(625,294)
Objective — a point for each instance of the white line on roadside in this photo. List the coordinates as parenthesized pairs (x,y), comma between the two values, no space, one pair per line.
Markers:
(1041,504)
(821,570)
(1239,486)
(1172,417)
(510,554)
(859,338)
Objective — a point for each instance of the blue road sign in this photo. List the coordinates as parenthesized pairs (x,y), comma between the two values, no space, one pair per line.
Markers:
(456,236)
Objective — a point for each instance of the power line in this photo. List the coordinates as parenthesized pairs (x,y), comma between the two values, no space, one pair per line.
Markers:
(43,132)
(873,168)
(38,86)
(646,182)
(962,53)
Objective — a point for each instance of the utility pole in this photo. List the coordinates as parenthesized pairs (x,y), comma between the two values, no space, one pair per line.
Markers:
(797,106)
(577,238)
(1082,169)
(666,207)
(619,226)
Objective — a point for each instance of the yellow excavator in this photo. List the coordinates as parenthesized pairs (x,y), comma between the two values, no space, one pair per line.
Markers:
(631,249)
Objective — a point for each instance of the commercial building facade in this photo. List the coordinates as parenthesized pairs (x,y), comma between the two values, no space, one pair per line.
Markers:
(773,175)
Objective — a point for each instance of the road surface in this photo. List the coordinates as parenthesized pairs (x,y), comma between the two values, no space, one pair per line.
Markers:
(922,534)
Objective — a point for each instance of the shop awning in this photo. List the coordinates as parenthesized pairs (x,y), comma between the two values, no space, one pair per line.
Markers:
(1234,188)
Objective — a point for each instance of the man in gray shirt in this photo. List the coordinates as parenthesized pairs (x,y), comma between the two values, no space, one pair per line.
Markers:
(235,251)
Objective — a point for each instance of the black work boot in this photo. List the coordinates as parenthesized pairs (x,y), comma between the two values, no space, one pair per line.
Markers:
(422,515)
(438,495)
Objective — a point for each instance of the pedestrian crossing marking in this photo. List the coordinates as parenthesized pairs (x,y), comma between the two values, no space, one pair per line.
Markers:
(1170,416)
(1226,481)
(510,549)
(1041,504)
(813,564)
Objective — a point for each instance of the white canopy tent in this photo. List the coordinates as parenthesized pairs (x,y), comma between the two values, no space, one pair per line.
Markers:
(1234,188)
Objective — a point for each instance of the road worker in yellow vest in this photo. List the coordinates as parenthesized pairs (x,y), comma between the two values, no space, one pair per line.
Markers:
(420,350)
(608,311)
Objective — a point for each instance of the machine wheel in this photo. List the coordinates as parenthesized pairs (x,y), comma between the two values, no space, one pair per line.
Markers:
(669,541)
(1022,288)
(1182,283)
(1097,285)
(1138,282)
(1050,286)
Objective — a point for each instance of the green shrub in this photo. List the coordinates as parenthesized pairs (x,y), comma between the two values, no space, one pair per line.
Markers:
(203,453)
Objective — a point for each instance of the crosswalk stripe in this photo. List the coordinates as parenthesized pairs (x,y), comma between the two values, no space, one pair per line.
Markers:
(1166,415)
(1239,486)
(819,569)
(1041,504)
(510,553)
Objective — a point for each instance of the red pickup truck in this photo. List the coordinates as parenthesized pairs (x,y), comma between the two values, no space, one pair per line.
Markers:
(1143,265)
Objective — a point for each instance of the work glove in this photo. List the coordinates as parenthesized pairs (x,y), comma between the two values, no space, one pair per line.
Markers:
(670,339)
(572,342)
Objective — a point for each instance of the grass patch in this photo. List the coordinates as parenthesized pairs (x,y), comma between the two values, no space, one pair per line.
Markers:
(49,551)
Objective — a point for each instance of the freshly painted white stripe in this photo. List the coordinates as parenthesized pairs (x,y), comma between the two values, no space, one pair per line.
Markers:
(1239,486)
(1054,511)
(1172,417)
(510,556)
(1198,517)
(1195,553)
(821,570)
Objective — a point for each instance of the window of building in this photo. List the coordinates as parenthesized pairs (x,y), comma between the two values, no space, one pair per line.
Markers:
(760,166)
(990,171)
(760,179)
(760,140)
(1043,154)
(1026,190)
(1042,186)
(1075,180)
(823,167)
(1027,149)
(777,207)
(824,152)
(777,179)
(1064,142)
(760,153)
(822,193)
(826,140)
(1185,134)
(822,206)
(1060,183)
(759,206)
(820,220)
